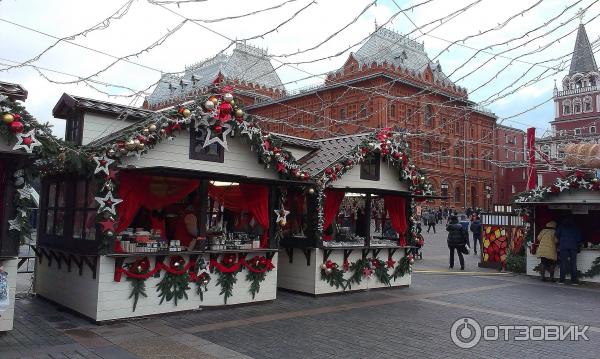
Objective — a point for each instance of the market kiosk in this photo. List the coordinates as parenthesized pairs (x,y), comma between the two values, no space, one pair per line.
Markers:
(15,193)
(364,227)
(576,196)
(177,211)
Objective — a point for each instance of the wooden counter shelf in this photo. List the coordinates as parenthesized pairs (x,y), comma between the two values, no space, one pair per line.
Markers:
(208,251)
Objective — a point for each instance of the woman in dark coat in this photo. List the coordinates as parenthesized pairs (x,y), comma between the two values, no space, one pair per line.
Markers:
(457,239)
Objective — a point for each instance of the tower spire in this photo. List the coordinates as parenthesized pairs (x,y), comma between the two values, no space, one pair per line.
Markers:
(583,57)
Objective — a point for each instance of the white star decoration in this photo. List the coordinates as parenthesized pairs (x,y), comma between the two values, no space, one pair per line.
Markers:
(14,225)
(538,192)
(102,164)
(583,183)
(281,215)
(108,203)
(220,139)
(25,192)
(26,137)
(562,184)
(249,131)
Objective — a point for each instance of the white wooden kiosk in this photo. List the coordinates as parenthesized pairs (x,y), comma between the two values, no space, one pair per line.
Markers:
(10,161)
(93,266)
(576,196)
(361,190)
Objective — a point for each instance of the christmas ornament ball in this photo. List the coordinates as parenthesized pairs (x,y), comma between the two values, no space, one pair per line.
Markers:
(209,105)
(152,128)
(131,145)
(123,151)
(239,113)
(139,268)
(228,97)
(204,282)
(16,127)
(311,191)
(136,142)
(323,266)
(109,233)
(186,113)
(8,118)
(111,153)
(146,131)
(328,270)
(218,128)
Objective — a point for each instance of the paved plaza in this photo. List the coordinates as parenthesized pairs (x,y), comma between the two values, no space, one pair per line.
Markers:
(394,323)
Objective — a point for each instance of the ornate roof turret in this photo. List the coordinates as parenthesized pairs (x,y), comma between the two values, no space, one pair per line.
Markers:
(583,60)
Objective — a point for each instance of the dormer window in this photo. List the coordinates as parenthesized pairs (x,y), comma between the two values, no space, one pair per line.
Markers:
(74,130)
(369,168)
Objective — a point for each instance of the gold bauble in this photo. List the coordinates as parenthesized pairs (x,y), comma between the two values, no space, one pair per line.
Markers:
(146,131)
(186,113)
(136,142)
(239,113)
(163,132)
(131,145)
(123,151)
(8,118)
(232,102)
(140,146)
(214,100)
(152,128)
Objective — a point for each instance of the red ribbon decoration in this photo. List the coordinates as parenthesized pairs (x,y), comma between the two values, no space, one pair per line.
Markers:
(159,266)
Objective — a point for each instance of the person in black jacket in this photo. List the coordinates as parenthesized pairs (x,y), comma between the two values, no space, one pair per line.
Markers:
(457,239)
(476,229)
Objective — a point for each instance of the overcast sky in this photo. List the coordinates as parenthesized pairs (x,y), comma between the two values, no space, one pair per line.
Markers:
(145,23)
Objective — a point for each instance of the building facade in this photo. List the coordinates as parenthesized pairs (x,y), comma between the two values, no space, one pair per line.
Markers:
(576,111)
(389,82)
(510,169)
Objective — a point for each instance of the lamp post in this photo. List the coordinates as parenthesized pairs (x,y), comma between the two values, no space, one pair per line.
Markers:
(444,188)
(488,195)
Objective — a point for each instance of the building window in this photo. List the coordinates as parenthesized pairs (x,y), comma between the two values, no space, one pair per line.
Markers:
(456,154)
(363,112)
(472,131)
(506,153)
(566,107)
(409,114)
(369,168)
(73,132)
(587,104)
(577,131)
(443,123)
(213,152)
(457,128)
(393,111)
(342,114)
(593,129)
(426,149)
(457,197)
(577,105)
(84,215)
(428,120)
(55,209)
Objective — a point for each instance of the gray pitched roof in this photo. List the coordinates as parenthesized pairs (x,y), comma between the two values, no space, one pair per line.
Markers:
(13,91)
(298,141)
(332,149)
(246,63)
(67,102)
(583,60)
(393,48)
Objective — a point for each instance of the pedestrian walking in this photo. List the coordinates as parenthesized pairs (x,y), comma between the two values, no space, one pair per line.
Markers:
(546,250)
(476,229)
(431,220)
(457,239)
(569,239)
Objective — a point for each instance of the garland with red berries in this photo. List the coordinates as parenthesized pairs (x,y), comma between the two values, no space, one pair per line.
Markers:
(575,181)
(404,266)
(258,267)
(138,286)
(227,269)
(175,283)
(333,275)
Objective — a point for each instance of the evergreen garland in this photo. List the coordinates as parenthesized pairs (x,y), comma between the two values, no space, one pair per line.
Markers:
(138,286)
(258,267)
(594,269)
(174,286)
(381,271)
(334,276)
(226,282)
(357,269)
(202,284)
(402,268)
(255,279)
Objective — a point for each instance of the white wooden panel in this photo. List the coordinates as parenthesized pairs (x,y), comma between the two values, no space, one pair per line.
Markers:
(239,160)
(388,179)
(584,263)
(7,316)
(113,302)
(74,291)
(96,126)
(307,279)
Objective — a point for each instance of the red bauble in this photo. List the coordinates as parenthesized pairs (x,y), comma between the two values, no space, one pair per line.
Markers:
(17,117)
(27,141)
(218,128)
(16,126)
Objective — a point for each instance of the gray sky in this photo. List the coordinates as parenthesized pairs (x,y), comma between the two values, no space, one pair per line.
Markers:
(145,23)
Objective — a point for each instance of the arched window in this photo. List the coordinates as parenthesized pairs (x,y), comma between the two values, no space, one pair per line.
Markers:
(393,111)
(577,105)
(428,120)
(456,155)
(426,149)
(566,107)
(587,104)
(457,196)
(342,114)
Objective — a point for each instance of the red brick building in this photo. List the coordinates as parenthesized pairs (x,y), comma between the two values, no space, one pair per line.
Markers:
(576,111)
(510,170)
(389,82)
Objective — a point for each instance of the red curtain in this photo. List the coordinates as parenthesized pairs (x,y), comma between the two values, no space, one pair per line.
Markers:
(333,200)
(396,207)
(230,197)
(257,202)
(531,171)
(136,191)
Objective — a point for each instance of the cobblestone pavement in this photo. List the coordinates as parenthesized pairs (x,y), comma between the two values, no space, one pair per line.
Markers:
(392,323)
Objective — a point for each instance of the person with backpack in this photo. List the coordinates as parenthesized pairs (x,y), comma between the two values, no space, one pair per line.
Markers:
(476,229)
(457,239)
